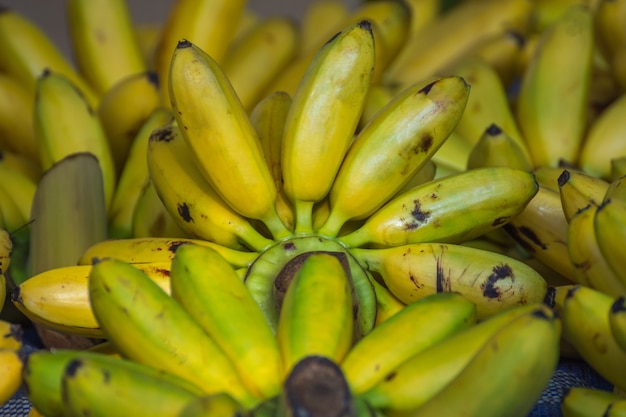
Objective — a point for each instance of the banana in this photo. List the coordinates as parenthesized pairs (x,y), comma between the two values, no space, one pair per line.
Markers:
(497,148)
(17,132)
(528,348)
(10,336)
(193,203)
(378,96)
(616,189)
(65,123)
(27,166)
(541,230)
(492,281)
(580,401)
(11,369)
(609,30)
(11,215)
(452,156)
(610,233)
(145,325)
(618,168)
(408,130)
(585,316)
(27,51)
(125,108)
(224,145)
(405,334)
(320,21)
(133,176)
(151,218)
(148,35)
(603,141)
(316,316)
(425,174)
(420,377)
(6,251)
(103,42)
(443,40)
(617,321)
(590,266)
(259,56)
(578,189)
(106,386)
(452,209)
(157,249)
(323,118)
(59,298)
(20,188)
(207,287)
(209,24)
(551,106)
(387,304)
(216,405)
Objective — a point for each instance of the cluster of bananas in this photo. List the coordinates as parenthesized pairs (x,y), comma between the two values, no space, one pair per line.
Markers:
(413,210)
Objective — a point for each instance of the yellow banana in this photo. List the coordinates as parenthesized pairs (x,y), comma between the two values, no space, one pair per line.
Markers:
(20,188)
(452,156)
(618,67)
(323,118)
(10,335)
(578,189)
(11,216)
(617,321)
(378,96)
(609,29)
(17,132)
(216,405)
(11,369)
(393,147)
(618,168)
(387,304)
(609,221)
(103,42)
(603,140)
(259,56)
(59,298)
(580,401)
(422,13)
(224,145)
(413,329)
(320,21)
(151,218)
(616,189)
(552,103)
(193,203)
(492,281)
(125,108)
(452,209)
(209,24)
(497,148)
(133,176)
(65,123)
(27,51)
(425,174)
(148,35)
(585,316)
(27,166)
(421,376)
(147,326)
(316,315)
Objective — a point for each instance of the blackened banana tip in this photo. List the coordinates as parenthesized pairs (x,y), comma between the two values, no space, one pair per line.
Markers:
(618,305)
(153,78)
(16,297)
(542,314)
(365,24)
(493,130)
(184,43)
(72,367)
(563,178)
(45,73)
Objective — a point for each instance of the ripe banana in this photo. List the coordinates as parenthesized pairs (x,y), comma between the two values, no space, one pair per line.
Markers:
(492,281)
(395,145)
(609,221)
(27,166)
(616,189)
(387,304)
(103,42)
(551,107)
(497,148)
(320,21)
(323,117)
(191,201)
(617,321)
(452,209)
(11,370)
(413,329)
(579,189)
(585,316)
(580,401)
(224,145)
(20,188)
(17,132)
(59,298)
(452,156)
(316,316)
(609,30)
(207,287)
(145,325)
(151,218)
(216,405)
(10,335)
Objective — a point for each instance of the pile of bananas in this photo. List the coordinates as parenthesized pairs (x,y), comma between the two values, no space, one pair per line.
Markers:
(394,210)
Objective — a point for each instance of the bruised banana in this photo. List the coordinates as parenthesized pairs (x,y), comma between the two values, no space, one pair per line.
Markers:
(207,287)
(323,117)
(492,281)
(392,147)
(59,298)
(411,330)
(452,209)
(147,326)
(223,143)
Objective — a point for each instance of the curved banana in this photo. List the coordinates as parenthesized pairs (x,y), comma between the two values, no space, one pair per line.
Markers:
(147,326)
(10,335)
(492,281)
(17,132)
(208,288)
(316,316)
(323,117)
(579,189)
(548,177)
(223,143)
(393,147)
(497,148)
(609,221)
(579,401)
(196,206)
(103,42)
(551,107)
(452,209)
(65,123)
(151,218)
(11,369)
(59,299)
(413,329)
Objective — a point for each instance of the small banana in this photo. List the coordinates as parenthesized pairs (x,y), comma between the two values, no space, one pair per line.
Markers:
(413,329)
(147,326)
(11,369)
(578,189)
(609,221)
(580,401)
(393,147)
(223,143)
(451,209)
(496,148)
(492,281)
(323,117)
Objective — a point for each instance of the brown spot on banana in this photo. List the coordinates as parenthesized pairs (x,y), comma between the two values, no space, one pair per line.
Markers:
(498,273)
(183,212)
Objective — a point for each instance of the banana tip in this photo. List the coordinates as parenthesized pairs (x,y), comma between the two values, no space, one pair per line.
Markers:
(184,43)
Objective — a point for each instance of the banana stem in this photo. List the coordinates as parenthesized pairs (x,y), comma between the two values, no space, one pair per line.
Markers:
(276,226)
(304,216)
